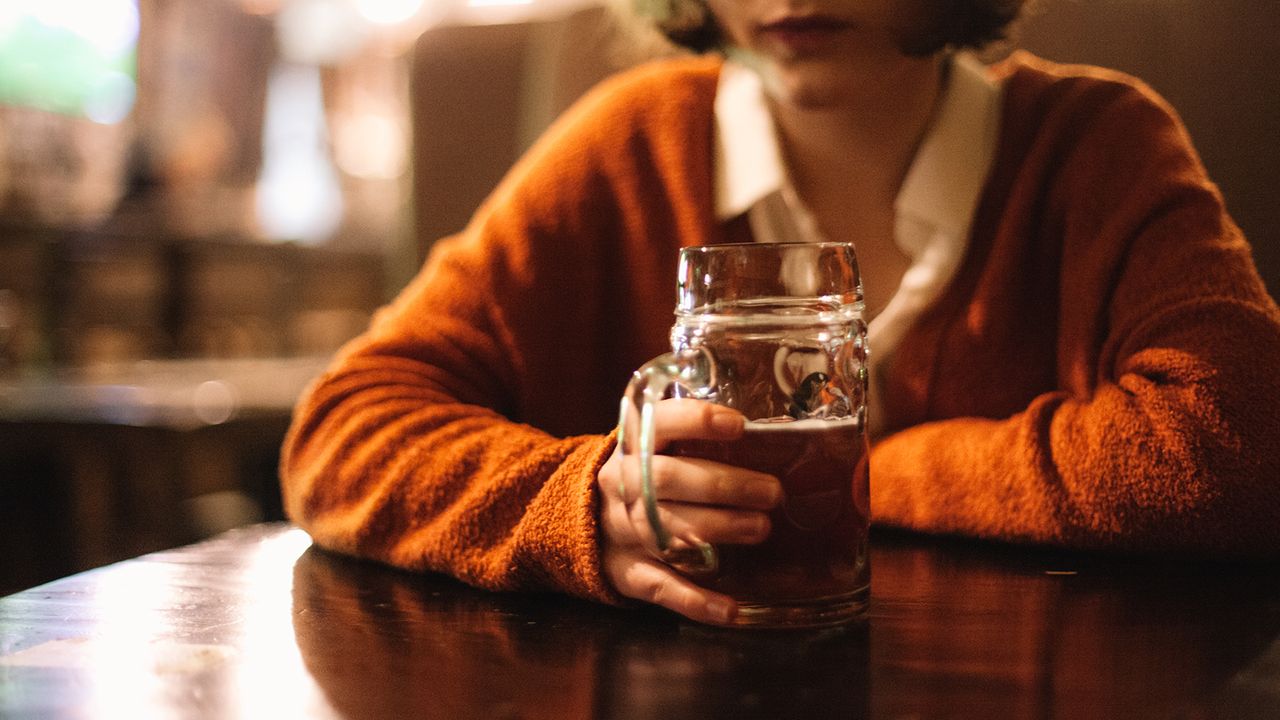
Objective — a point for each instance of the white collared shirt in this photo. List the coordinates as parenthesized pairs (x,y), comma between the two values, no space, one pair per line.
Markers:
(934,207)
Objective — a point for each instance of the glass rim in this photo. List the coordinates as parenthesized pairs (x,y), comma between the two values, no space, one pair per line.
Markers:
(825,244)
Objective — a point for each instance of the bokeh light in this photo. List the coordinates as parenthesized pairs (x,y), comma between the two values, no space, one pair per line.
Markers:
(111,26)
(76,57)
(388,12)
(371,145)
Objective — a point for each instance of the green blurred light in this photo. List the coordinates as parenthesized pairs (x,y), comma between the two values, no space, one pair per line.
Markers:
(52,67)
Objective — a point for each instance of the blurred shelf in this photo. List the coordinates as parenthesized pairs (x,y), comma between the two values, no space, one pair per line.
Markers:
(174,394)
(109,461)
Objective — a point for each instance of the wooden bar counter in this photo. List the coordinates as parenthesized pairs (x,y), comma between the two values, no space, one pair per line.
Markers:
(256,623)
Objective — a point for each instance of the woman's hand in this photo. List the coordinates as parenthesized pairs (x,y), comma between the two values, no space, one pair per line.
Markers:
(719,503)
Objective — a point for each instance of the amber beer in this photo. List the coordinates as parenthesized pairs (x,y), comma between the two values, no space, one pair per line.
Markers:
(813,567)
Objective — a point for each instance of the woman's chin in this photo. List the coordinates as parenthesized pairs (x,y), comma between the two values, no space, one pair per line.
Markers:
(841,82)
(807,88)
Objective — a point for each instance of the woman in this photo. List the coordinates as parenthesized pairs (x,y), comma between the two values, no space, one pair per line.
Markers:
(1071,343)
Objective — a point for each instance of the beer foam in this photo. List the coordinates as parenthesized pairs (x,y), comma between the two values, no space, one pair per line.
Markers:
(786,424)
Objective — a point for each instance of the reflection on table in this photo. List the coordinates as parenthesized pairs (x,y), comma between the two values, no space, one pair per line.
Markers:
(256,623)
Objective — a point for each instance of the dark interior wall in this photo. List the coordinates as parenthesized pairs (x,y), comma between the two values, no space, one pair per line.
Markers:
(1218,63)
(482,94)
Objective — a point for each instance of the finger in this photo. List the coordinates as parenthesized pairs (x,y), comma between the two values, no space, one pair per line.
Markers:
(685,419)
(695,480)
(704,522)
(655,583)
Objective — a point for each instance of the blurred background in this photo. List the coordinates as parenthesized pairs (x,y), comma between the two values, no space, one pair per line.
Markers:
(201,200)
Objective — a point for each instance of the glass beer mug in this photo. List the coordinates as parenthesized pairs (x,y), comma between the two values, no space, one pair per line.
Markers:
(775,331)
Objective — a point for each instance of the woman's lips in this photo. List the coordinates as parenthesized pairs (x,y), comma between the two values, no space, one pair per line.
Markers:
(804,34)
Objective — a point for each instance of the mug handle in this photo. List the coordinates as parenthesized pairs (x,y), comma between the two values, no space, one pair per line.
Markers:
(692,372)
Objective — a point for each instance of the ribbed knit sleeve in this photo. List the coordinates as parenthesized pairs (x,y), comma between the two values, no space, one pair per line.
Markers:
(1104,373)
(463,432)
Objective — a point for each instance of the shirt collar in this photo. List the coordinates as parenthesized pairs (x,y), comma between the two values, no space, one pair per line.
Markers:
(748,162)
(945,178)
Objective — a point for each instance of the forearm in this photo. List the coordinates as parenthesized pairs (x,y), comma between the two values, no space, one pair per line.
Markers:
(383,465)
(1180,454)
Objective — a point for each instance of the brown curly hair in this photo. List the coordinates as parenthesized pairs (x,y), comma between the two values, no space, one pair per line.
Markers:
(690,24)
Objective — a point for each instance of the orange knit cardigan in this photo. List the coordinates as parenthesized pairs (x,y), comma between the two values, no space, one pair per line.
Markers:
(1102,372)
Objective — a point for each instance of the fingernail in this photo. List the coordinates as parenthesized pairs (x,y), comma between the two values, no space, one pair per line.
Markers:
(721,610)
(726,421)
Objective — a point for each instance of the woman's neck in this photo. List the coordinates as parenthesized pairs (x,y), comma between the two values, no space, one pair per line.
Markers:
(867,140)
(848,160)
